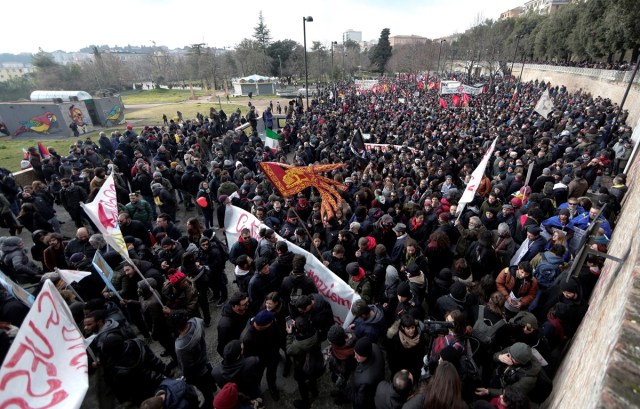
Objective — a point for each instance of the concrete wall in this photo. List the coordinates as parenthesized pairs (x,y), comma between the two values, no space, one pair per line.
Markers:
(605,83)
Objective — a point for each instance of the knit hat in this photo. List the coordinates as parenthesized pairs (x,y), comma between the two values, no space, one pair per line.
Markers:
(413,269)
(570,286)
(227,398)
(535,230)
(444,217)
(76,258)
(232,351)
(458,290)
(364,347)
(404,289)
(546,171)
(223,198)
(353,269)
(337,336)
(400,227)
(264,318)
(157,174)
(176,278)
(525,318)
(520,353)
(444,278)
(166,241)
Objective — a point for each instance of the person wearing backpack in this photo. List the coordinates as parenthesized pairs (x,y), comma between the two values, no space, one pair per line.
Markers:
(360,282)
(296,284)
(489,326)
(547,268)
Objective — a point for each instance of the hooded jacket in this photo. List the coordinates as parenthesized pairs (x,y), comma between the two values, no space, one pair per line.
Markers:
(15,256)
(243,371)
(230,327)
(191,349)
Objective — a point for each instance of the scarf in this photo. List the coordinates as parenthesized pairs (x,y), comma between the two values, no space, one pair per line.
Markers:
(415,225)
(408,342)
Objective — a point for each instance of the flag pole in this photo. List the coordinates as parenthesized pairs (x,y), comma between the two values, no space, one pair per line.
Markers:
(155,293)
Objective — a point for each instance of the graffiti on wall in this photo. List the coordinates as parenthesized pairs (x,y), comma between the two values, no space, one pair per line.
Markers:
(112,116)
(39,124)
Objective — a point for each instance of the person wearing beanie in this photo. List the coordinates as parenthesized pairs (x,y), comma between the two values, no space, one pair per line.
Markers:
(262,283)
(359,281)
(341,360)
(457,299)
(259,340)
(227,398)
(180,294)
(191,349)
(407,303)
(245,372)
(518,368)
(173,394)
(172,252)
(569,304)
(368,374)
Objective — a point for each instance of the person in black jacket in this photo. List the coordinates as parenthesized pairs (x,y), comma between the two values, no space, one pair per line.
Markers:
(258,340)
(235,367)
(368,373)
(235,314)
(71,197)
(190,184)
(135,228)
(318,311)
(296,284)
(392,395)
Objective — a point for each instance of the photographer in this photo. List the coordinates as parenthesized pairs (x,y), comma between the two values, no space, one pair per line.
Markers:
(303,345)
(341,360)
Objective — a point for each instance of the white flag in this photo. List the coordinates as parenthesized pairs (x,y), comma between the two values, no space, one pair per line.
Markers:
(544,105)
(476,176)
(46,366)
(73,276)
(103,211)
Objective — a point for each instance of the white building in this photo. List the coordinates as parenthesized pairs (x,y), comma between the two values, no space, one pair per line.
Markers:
(544,6)
(352,35)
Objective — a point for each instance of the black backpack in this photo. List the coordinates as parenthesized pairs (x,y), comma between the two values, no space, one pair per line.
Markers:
(484,330)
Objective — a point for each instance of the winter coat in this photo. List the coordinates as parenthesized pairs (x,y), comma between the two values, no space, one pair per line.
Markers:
(307,356)
(365,379)
(16,257)
(244,372)
(230,327)
(373,327)
(191,349)
(506,280)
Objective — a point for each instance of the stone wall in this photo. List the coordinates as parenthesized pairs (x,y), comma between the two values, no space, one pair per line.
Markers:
(606,83)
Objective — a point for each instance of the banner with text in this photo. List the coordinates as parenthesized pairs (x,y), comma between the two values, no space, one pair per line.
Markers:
(461,89)
(46,366)
(383,148)
(337,293)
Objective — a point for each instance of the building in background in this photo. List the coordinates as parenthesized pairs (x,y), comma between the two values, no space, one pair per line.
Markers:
(406,40)
(10,70)
(352,35)
(515,12)
(544,6)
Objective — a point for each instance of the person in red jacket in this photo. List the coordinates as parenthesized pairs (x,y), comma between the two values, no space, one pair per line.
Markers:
(519,286)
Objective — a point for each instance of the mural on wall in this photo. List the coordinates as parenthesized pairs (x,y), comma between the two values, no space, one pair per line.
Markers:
(112,117)
(77,116)
(39,124)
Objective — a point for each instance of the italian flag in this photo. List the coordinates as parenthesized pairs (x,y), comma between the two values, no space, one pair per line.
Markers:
(272,139)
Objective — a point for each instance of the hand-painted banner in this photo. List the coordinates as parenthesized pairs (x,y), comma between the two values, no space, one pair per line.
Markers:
(46,366)
(16,290)
(337,293)
(383,148)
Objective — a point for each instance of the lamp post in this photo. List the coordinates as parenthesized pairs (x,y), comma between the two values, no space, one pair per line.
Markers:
(332,44)
(306,71)
(280,61)
(440,52)
(518,37)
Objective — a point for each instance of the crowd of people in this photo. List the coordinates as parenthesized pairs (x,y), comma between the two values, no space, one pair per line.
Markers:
(617,66)
(461,304)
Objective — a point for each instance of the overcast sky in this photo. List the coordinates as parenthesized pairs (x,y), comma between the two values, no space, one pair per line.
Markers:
(31,24)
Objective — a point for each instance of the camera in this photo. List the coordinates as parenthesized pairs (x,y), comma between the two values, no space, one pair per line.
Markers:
(435,328)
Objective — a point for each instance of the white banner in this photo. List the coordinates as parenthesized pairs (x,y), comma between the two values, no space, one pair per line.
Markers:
(461,89)
(476,176)
(383,148)
(337,293)
(544,105)
(365,84)
(46,366)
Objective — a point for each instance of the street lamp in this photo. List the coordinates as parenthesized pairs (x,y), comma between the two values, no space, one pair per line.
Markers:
(332,44)
(518,37)
(306,71)
(280,60)
(438,70)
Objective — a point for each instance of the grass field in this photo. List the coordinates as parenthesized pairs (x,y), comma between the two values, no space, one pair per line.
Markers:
(153,103)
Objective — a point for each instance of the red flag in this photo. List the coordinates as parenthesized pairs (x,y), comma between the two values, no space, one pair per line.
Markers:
(515,93)
(465,99)
(456,100)
(289,180)
(431,85)
(443,103)
(43,151)
(420,85)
